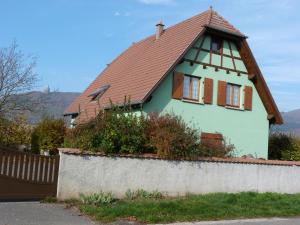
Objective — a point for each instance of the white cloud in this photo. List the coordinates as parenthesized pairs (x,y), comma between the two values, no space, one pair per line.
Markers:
(157,2)
(117,13)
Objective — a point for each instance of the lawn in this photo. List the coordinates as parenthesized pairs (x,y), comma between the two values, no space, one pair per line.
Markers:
(198,207)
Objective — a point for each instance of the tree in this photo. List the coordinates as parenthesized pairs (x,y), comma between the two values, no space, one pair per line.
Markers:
(16,76)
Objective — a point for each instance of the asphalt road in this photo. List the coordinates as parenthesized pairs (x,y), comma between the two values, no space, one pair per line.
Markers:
(272,221)
(35,213)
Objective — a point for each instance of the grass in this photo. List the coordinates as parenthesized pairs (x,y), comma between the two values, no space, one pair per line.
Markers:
(198,207)
(49,199)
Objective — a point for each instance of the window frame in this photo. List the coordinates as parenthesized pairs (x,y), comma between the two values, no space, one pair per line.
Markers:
(190,98)
(96,94)
(219,41)
(232,97)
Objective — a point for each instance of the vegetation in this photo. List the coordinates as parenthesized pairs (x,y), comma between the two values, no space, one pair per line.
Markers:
(170,137)
(14,132)
(49,199)
(110,132)
(284,147)
(197,207)
(123,131)
(17,76)
(97,199)
(142,194)
(48,135)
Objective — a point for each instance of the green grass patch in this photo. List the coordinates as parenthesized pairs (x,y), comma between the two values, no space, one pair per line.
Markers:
(198,207)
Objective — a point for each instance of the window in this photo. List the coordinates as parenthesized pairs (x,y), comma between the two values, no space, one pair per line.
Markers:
(216,45)
(233,95)
(98,92)
(191,87)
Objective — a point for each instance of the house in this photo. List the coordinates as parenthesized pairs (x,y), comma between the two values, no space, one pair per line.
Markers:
(201,69)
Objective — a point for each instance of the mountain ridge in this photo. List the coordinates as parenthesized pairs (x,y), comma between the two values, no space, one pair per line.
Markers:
(53,104)
(291,123)
(41,104)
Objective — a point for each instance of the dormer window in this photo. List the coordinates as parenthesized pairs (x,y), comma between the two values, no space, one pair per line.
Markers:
(98,92)
(216,45)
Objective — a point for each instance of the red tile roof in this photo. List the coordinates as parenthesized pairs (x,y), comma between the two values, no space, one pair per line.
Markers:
(139,69)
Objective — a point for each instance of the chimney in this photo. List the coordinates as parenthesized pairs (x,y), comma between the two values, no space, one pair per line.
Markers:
(159,29)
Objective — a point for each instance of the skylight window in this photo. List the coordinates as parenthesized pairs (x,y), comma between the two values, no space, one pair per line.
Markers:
(98,92)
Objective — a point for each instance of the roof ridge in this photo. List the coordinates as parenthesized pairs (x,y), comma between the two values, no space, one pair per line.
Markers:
(226,21)
(210,15)
(188,19)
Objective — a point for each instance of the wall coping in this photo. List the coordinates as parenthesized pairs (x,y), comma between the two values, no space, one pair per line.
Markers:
(238,160)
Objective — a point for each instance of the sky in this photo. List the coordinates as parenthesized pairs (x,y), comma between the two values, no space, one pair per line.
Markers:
(74,40)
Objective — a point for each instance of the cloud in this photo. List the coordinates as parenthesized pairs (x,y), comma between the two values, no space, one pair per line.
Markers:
(117,13)
(157,2)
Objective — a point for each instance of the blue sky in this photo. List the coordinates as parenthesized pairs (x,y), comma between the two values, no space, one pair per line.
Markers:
(75,39)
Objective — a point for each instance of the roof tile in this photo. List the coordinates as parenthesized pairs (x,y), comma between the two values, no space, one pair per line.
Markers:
(138,69)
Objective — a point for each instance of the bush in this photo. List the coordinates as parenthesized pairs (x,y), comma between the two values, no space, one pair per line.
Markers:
(14,132)
(81,136)
(170,137)
(223,150)
(122,131)
(284,147)
(48,135)
(115,131)
(97,199)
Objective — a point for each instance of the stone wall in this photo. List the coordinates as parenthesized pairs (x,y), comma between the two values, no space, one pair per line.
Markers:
(92,174)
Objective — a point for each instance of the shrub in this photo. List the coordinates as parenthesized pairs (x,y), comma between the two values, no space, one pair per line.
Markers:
(97,199)
(224,150)
(284,147)
(14,132)
(81,136)
(142,194)
(115,131)
(48,135)
(170,137)
(35,147)
(122,131)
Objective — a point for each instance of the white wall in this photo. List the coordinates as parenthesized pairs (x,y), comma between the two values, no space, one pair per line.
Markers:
(92,174)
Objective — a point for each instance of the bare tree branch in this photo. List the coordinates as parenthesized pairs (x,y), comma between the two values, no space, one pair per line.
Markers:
(16,76)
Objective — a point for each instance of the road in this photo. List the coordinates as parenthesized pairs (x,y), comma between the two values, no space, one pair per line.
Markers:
(271,221)
(35,213)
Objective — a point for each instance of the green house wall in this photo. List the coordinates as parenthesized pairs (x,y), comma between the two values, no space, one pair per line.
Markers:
(248,131)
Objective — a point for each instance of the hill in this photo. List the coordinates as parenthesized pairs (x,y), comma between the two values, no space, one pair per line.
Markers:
(54,104)
(42,104)
(291,122)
